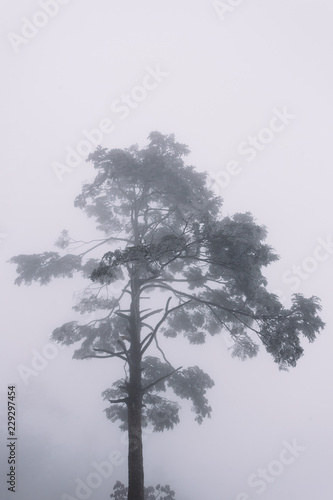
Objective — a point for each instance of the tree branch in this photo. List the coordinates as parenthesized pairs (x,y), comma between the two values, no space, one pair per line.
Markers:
(126,316)
(97,357)
(166,313)
(151,313)
(161,351)
(179,293)
(149,334)
(145,389)
(127,358)
(110,354)
(121,400)
(102,242)
(118,354)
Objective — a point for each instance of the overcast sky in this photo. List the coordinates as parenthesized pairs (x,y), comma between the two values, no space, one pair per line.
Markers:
(247,85)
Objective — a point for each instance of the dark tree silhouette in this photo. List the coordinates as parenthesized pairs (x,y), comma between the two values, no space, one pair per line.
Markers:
(182,269)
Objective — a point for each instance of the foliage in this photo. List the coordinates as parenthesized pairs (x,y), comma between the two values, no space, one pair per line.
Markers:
(171,244)
(159,492)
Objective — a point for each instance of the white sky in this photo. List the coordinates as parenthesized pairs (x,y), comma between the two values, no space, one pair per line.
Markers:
(225,78)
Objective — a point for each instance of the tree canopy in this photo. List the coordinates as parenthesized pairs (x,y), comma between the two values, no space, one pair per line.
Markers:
(182,268)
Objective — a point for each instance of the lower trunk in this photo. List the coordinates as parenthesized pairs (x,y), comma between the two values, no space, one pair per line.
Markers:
(135,450)
(134,404)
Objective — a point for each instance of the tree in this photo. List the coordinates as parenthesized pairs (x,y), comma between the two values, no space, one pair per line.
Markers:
(171,246)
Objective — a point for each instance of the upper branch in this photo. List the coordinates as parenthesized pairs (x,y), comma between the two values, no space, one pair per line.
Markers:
(121,400)
(145,389)
(195,298)
(102,242)
(110,354)
(150,337)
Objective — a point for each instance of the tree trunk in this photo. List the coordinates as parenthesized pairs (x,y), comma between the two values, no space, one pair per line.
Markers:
(134,405)
(135,450)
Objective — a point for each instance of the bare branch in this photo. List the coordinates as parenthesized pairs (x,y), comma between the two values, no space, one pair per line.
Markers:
(167,312)
(112,353)
(119,313)
(97,357)
(121,400)
(151,313)
(161,351)
(179,293)
(145,389)
(102,242)
(123,345)
(154,331)
(147,336)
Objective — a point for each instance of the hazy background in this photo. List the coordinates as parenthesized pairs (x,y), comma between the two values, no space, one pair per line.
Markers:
(225,77)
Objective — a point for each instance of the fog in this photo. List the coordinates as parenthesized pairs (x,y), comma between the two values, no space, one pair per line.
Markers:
(248,88)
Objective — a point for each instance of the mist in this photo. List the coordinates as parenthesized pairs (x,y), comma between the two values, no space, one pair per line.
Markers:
(248,89)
